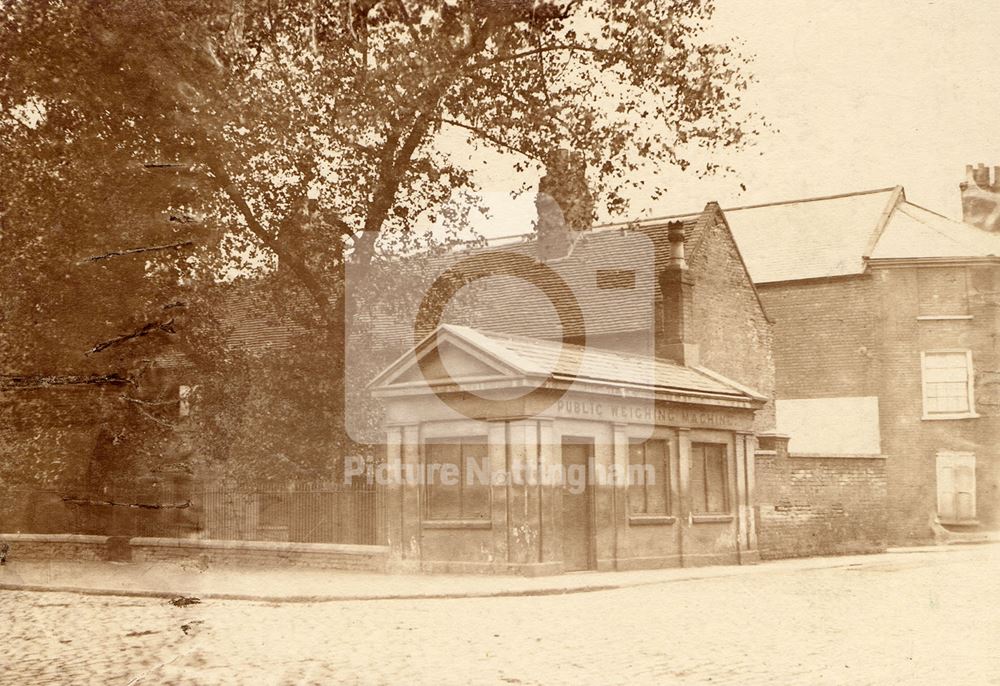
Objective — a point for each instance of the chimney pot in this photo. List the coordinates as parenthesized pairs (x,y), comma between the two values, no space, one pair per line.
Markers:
(674,331)
(564,203)
(675,235)
(981,197)
(981,175)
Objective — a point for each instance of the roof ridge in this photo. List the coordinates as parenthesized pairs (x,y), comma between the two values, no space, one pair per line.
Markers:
(957,240)
(836,196)
(586,348)
(895,197)
(695,215)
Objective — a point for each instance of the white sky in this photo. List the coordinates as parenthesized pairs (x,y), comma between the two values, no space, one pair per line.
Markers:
(862,95)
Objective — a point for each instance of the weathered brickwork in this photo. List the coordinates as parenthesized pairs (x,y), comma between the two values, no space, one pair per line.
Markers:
(912,442)
(863,336)
(730,325)
(247,553)
(820,506)
(824,334)
(255,553)
(56,547)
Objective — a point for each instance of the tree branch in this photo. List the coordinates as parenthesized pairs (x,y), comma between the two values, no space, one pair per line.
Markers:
(486,136)
(134,251)
(511,57)
(14,383)
(151,327)
(285,255)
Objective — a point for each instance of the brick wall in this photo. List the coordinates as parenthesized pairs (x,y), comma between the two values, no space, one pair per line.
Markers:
(262,553)
(912,442)
(55,547)
(824,337)
(250,553)
(730,326)
(819,506)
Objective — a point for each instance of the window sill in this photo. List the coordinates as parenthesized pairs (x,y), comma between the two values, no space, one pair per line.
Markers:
(710,518)
(642,520)
(943,317)
(457,524)
(839,456)
(958,522)
(945,417)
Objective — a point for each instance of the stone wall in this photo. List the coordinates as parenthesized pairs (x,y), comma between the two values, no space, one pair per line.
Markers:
(819,505)
(250,553)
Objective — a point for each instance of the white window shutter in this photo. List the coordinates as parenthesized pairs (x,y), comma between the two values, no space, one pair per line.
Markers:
(956,487)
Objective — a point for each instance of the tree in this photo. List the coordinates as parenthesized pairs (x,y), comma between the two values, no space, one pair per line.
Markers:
(314,128)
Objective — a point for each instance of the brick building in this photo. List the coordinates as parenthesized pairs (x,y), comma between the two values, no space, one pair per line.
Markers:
(886,322)
(640,345)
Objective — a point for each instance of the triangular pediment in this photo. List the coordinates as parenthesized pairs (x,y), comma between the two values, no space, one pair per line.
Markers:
(445,356)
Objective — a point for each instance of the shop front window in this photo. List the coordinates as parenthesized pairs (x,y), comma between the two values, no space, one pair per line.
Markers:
(709,483)
(649,477)
(456,472)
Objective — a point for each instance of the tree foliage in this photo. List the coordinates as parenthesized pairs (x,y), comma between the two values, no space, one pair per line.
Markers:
(288,136)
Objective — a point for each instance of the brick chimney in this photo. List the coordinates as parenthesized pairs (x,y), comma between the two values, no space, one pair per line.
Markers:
(674,334)
(564,204)
(981,197)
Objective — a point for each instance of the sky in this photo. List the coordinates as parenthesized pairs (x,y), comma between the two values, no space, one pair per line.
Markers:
(860,95)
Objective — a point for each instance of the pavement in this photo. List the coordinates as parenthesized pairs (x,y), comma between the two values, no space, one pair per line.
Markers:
(914,617)
(292,584)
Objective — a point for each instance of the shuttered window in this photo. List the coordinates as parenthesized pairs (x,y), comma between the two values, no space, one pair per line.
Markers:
(956,486)
(709,481)
(456,487)
(649,477)
(947,377)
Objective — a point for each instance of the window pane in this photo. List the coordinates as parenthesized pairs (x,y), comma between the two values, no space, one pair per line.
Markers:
(715,475)
(699,501)
(946,383)
(443,494)
(658,486)
(475,480)
(636,478)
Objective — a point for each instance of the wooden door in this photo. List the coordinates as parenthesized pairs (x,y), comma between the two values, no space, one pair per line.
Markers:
(576,505)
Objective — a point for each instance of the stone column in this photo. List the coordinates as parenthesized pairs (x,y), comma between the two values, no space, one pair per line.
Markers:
(394,492)
(522,493)
(684,520)
(411,494)
(751,494)
(619,473)
(497,440)
(549,493)
(743,512)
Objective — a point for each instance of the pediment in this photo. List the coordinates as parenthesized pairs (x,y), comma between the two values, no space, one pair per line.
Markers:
(443,356)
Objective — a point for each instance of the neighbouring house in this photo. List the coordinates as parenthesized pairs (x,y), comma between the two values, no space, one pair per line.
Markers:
(598,352)
(887,359)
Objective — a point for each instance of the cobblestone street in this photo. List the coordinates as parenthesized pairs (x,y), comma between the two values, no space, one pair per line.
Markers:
(927,618)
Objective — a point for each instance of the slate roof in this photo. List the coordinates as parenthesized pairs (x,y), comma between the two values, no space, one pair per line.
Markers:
(913,232)
(542,358)
(838,235)
(253,324)
(610,273)
(806,239)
